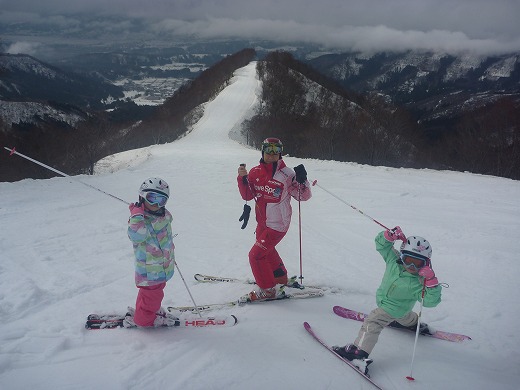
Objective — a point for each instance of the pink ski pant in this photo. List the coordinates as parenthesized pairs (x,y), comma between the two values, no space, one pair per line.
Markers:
(148,303)
(263,257)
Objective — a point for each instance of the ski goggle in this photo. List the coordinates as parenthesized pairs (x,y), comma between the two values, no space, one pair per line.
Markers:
(272,148)
(156,199)
(412,263)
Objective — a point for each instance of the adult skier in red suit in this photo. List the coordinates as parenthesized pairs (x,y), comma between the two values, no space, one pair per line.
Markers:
(271,184)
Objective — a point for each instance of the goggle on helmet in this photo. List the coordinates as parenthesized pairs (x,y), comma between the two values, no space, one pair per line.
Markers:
(417,248)
(155,190)
(272,146)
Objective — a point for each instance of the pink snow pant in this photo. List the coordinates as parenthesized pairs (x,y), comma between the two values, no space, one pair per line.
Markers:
(148,303)
(264,259)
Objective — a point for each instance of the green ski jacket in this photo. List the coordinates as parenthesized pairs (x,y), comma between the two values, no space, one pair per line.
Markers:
(399,289)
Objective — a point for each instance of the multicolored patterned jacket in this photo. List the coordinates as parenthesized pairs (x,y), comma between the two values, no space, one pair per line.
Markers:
(153,248)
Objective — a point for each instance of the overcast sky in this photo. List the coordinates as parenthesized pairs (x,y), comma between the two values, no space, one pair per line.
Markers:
(482,26)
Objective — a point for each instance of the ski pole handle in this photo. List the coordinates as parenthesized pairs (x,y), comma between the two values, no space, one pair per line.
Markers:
(244,178)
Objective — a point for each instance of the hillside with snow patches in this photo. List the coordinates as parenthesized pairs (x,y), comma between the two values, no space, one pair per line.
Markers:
(27,79)
(26,112)
(65,254)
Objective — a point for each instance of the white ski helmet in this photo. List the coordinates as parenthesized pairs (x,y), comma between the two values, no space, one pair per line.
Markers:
(154,184)
(418,247)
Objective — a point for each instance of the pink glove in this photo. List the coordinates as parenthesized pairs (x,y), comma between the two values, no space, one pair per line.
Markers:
(429,276)
(395,234)
(136,209)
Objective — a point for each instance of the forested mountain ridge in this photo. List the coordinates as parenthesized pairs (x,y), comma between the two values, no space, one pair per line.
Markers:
(25,78)
(434,87)
(374,128)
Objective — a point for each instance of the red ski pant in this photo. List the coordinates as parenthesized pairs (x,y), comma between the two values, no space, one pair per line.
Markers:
(263,257)
(148,303)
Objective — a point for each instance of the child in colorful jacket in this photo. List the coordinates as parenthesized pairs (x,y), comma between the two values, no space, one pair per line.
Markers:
(407,273)
(272,184)
(149,229)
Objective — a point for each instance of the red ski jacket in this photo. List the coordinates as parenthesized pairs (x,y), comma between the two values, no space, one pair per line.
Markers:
(272,186)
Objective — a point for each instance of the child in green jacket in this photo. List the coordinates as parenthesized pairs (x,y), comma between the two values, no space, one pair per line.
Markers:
(407,273)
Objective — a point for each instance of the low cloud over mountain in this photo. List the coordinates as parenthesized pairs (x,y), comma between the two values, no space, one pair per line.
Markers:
(477,26)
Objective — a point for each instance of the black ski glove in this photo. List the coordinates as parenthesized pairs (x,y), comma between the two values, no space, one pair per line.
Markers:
(245,216)
(301,174)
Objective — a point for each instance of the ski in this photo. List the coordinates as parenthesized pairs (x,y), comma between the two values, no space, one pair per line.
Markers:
(112,321)
(438,334)
(222,279)
(308,328)
(296,294)
(202,308)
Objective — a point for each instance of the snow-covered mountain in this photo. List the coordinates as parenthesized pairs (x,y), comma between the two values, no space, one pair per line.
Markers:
(15,113)
(26,79)
(434,86)
(437,85)
(65,254)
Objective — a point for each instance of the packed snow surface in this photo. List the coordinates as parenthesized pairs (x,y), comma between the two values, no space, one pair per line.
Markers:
(65,254)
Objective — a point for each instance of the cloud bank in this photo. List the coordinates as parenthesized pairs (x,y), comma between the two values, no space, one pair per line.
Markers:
(481,26)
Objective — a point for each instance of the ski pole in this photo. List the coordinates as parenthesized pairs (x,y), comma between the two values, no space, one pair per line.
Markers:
(315,183)
(150,229)
(300,231)
(13,151)
(187,288)
(410,377)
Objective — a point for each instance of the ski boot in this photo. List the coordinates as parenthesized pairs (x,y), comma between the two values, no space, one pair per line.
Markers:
(164,318)
(424,329)
(357,357)
(269,294)
(128,321)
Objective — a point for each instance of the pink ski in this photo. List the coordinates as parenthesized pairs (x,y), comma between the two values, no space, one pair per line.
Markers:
(319,340)
(358,316)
